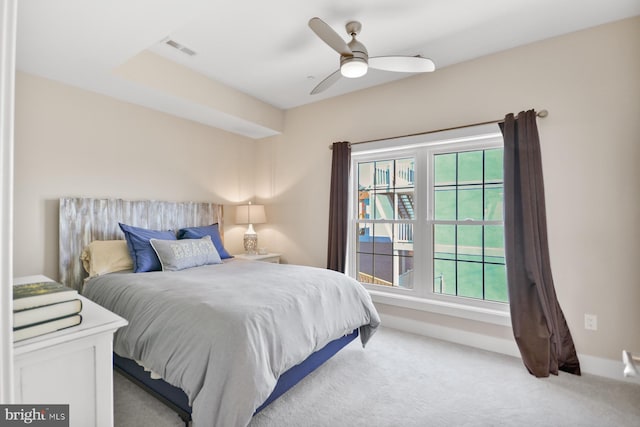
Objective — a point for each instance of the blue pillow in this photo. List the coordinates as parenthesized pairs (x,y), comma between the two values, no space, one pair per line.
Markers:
(142,253)
(207,230)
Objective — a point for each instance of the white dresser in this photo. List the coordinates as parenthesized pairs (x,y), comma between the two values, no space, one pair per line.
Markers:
(72,366)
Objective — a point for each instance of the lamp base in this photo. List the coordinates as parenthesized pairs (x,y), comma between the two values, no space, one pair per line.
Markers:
(250,243)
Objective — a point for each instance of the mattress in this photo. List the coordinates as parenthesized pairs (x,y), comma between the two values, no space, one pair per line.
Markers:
(225,333)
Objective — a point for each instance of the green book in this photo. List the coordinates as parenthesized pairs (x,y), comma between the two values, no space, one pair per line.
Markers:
(38,294)
(34,315)
(46,327)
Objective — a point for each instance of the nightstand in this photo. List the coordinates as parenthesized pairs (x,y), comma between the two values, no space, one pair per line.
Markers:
(269,257)
(72,366)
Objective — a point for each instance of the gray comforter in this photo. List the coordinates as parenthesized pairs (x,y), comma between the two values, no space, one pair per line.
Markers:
(224,333)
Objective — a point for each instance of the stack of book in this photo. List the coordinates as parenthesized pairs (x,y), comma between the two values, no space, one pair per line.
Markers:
(44,307)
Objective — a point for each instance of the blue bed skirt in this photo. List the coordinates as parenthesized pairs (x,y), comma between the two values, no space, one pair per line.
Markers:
(177,400)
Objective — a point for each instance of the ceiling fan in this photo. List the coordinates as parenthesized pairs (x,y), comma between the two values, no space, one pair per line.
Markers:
(354,58)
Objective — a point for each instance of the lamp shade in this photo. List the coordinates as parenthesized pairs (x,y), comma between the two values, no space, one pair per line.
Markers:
(250,214)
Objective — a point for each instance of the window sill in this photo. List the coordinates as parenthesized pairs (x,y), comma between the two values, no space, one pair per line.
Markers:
(479,314)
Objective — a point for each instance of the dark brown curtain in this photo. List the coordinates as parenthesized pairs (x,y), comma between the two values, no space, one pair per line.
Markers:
(338,206)
(539,326)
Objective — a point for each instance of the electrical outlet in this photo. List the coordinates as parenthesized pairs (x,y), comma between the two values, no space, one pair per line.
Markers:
(591,322)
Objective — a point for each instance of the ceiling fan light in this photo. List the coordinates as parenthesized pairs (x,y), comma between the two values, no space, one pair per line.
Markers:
(353,68)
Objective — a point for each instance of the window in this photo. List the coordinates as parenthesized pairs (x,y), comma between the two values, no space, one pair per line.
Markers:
(385,222)
(467,228)
(427,219)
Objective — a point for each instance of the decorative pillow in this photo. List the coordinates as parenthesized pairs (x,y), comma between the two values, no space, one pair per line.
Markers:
(106,256)
(143,256)
(207,230)
(186,253)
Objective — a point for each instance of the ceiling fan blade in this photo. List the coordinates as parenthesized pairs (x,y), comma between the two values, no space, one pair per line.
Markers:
(329,36)
(402,64)
(326,83)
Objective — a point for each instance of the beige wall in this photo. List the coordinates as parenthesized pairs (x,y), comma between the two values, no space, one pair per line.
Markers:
(70,142)
(590,83)
(74,143)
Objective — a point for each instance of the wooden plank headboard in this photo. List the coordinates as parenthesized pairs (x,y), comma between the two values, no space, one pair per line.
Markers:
(83,220)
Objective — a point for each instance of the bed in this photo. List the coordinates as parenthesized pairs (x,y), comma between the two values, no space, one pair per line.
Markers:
(225,337)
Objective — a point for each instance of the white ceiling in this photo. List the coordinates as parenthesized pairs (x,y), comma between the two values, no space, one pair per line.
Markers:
(265,48)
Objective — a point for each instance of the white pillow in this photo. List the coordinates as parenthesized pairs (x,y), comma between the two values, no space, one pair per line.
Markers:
(106,256)
(186,253)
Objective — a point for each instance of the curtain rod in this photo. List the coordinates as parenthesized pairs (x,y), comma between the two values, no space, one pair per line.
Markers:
(542,114)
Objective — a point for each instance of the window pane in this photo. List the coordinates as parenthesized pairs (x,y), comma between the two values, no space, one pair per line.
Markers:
(494,244)
(383,174)
(470,202)
(469,279)
(445,169)
(493,194)
(404,269)
(493,169)
(405,173)
(382,205)
(444,277)
(470,167)
(405,205)
(444,241)
(495,283)
(403,238)
(383,270)
(382,239)
(365,267)
(385,254)
(364,205)
(386,194)
(461,252)
(365,238)
(445,203)
(470,243)
(365,175)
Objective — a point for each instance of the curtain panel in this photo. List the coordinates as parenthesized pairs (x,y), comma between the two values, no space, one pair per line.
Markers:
(539,326)
(339,206)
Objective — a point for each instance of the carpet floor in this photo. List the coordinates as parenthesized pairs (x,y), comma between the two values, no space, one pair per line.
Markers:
(407,380)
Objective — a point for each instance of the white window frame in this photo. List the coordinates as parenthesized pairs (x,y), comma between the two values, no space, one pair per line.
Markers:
(423,148)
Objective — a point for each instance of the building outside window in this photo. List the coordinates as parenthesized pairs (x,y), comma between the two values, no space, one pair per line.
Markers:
(427,218)
(385,222)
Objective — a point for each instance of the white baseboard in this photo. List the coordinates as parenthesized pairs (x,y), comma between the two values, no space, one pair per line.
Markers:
(484,342)
(607,368)
(592,365)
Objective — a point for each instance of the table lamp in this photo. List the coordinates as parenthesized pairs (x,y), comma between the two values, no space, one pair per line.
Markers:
(250,214)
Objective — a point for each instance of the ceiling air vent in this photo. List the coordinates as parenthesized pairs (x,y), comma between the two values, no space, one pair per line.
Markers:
(181,48)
